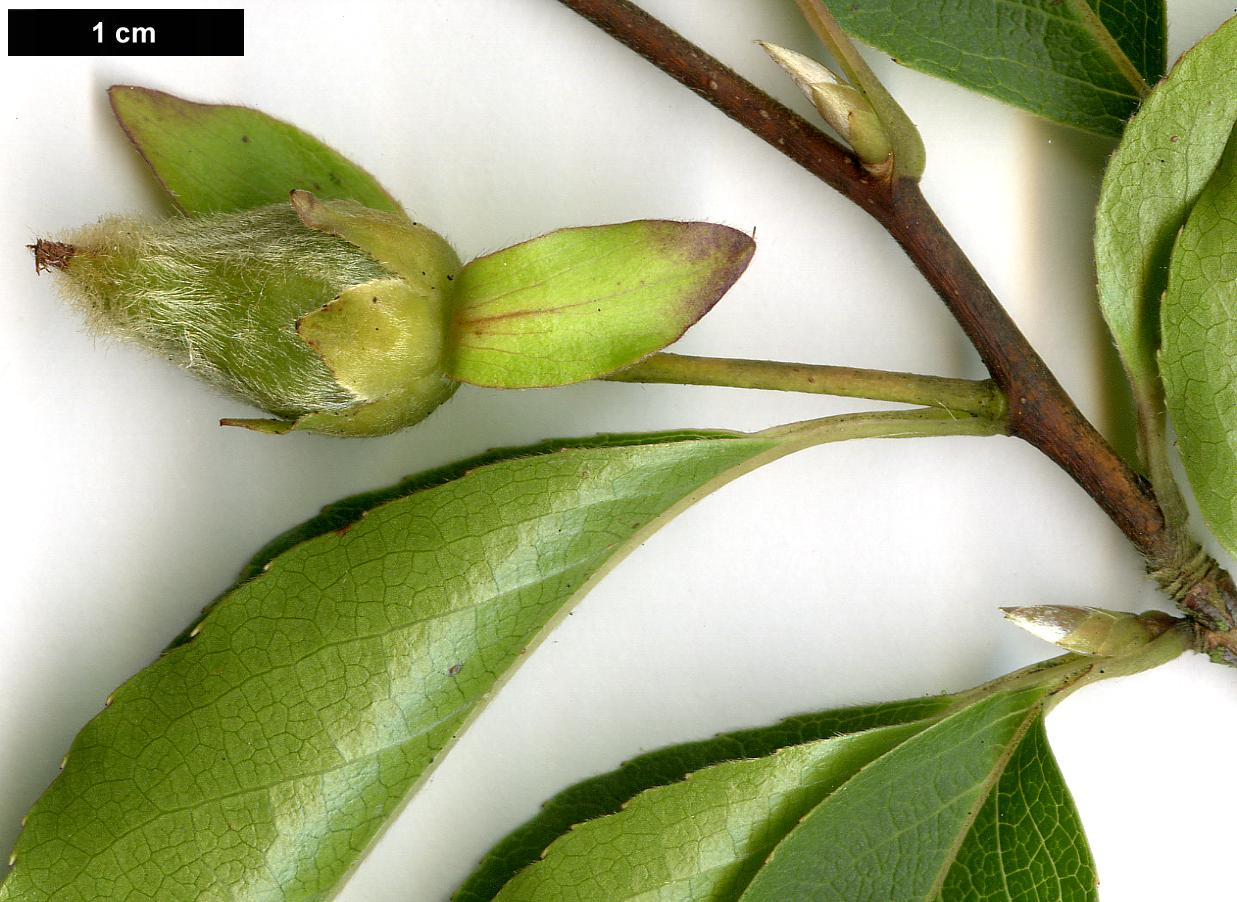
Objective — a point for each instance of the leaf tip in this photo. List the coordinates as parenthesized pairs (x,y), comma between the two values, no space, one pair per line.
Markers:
(709,241)
(734,248)
(126,100)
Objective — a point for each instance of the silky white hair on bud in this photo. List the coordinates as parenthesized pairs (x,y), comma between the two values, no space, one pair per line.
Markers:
(220,295)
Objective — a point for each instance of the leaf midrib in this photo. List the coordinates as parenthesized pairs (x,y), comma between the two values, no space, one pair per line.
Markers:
(1095,26)
(990,781)
(624,548)
(927,723)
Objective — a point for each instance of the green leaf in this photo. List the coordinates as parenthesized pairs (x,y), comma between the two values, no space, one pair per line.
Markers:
(703,837)
(1027,842)
(1165,157)
(963,802)
(260,758)
(894,830)
(608,793)
(1200,347)
(579,303)
(1084,63)
(213,158)
(261,754)
(339,516)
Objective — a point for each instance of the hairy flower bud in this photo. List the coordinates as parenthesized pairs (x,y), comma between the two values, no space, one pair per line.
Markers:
(327,314)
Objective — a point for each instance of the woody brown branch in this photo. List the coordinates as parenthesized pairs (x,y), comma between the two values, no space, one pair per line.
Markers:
(1040,411)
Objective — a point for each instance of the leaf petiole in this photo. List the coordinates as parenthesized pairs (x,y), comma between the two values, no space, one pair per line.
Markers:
(1153,451)
(980,398)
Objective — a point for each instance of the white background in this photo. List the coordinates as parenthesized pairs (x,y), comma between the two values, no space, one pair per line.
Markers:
(845,574)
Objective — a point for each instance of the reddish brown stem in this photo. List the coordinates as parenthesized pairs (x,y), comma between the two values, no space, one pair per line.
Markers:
(1040,410)
(734,95)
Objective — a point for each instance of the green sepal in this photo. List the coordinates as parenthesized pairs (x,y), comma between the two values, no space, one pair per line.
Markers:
(215,158)
(579,303)
(382,416)
(375,337)
(383,341)
(420,256)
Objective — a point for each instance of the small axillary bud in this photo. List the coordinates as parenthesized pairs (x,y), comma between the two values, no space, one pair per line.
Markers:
(1096,632)
(842,106)
(331,316)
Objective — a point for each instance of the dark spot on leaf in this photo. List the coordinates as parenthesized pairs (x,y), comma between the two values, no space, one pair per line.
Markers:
(454,669)
(450,278)
(317,186)
(334,178)
(244,139)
